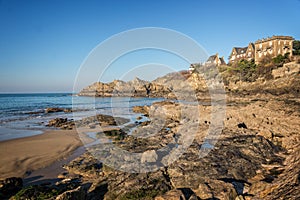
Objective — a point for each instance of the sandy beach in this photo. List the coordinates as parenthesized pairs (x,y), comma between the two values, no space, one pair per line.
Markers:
(19,156)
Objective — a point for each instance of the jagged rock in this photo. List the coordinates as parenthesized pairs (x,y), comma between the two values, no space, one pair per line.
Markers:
(75,194)
(123,185)
(91,122)
(284,182)
(135,87)
(217,189)
(171,195)
(149,156)
(117,134)
(141,109)
(98,190)
(102,120)
(184,85)
(242,165)
(287,69)
(57,122)
(257,162)
(234,159)
(62,123)
(85,165)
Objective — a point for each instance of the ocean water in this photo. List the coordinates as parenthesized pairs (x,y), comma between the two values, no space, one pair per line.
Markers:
(23,115)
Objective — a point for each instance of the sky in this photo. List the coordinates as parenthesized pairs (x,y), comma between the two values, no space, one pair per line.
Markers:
(43,44)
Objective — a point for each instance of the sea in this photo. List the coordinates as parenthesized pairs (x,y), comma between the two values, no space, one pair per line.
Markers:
(23,115)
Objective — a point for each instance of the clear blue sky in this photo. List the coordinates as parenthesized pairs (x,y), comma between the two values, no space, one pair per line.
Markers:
(44,42)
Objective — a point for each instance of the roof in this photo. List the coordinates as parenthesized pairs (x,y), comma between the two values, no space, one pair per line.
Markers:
(252,45)
(211,58)
(240,50)
(222,61)
(274,37)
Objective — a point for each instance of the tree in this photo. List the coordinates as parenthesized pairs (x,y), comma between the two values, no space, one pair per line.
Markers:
(247,70)
(296,47)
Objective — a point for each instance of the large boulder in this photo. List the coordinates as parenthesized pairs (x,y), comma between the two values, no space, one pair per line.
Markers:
(62,123)
(174,194)
(76,194)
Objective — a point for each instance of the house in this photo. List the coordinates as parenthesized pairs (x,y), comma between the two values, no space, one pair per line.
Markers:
(250,53)
(239,53)
(212,60)
(272,47)
(215,60)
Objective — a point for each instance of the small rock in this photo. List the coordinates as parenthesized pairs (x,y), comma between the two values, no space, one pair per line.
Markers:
(204,192)
(53,110)
(149,156)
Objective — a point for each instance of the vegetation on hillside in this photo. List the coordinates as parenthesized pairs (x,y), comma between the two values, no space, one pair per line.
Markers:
(248,71)
(296,47)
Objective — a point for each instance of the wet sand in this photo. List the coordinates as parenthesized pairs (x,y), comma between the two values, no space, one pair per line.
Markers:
(19,157)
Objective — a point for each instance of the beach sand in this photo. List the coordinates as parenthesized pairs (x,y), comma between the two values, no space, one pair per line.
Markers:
(22,155)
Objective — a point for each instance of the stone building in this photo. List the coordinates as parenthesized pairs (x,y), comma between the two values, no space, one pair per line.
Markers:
(215,60)
(272,47)
(250,53)
(239,53)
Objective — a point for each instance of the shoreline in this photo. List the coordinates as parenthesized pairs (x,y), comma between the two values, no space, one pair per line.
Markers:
(22,156)
(50,173)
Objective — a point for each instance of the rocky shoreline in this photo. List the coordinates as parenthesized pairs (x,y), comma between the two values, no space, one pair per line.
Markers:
(256,155)
(259,160)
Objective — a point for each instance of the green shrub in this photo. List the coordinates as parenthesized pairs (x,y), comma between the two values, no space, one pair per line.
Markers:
(141,194)
(296,47)
(246,70)
(36,192)
(279,60)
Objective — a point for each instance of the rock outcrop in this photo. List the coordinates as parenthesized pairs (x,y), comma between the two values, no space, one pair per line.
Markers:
(246,163)
(90,122)
(185,85)
(62,123)
(256,156)
(135,88)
